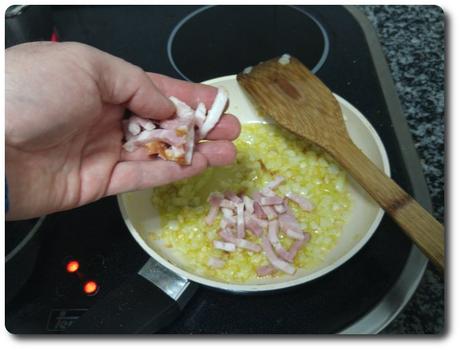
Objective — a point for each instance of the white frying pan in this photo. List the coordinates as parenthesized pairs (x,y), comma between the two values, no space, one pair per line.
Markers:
(141,217)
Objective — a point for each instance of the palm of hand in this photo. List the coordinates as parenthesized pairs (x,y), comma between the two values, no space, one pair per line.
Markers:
(64,105)
(77,142)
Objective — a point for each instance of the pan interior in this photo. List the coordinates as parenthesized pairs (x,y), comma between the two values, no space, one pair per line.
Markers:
(365,215)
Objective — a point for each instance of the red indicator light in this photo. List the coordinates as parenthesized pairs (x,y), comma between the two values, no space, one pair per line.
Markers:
(54,37)
(90,287)
(72,266)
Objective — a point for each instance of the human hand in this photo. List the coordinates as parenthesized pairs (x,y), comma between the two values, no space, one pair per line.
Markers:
(63,130)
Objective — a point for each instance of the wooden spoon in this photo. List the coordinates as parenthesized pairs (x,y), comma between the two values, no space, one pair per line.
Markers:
(300,102)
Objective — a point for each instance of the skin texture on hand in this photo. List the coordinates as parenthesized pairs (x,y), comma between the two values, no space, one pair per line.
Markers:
(63,131)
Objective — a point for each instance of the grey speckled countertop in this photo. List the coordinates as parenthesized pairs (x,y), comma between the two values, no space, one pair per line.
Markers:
(412,38)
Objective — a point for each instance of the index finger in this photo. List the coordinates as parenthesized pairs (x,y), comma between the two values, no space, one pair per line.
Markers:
(228,128)
(190,93)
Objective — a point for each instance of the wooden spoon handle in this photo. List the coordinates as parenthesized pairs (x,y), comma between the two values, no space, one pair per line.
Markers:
(419,225)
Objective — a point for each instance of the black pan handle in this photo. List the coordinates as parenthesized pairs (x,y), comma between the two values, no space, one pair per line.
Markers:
(137,306)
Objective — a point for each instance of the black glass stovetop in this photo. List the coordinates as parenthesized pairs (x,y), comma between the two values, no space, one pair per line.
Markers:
(196,43)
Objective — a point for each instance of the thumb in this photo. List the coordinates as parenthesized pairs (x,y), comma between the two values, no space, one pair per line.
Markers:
(121,82)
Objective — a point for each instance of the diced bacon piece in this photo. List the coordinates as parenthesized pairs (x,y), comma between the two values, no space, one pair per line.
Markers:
(147,124)
(229,219)
(265,270)
(233,197)
(252,226)
(297,245)
(288,221)
(131,145)
(216,263)
(189,145)
(294,234)
(273,228)
(228,222)
(227,246)
(289,210)
(212,214)
(267,192)
(273,238)
(275,183)
(224,223)
(227,204)
(227,236)
(157,148)
(128,135)
(181,130)
(183,110)
(183,126)
(177,137)
(269,212)
(290,226)
(175,133)
(257,196)
(200,115)
(137,123)
(167,136)
(258,211)
(172,124)
(260,222)
(248,204)
(215,112)
(228,213)
(133,127)
(272,200)
(240,220)
(303,202)
(215,198)
(245,244)
(175,153)
(280,208)
(274,259)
